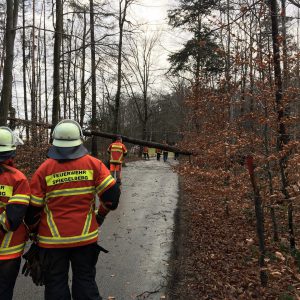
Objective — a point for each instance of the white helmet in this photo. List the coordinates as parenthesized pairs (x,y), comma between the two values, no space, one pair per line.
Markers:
(67,133)
(8,140)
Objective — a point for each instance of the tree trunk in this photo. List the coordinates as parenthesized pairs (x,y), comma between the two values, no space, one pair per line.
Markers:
(112,136)
(259,222)
(24,69)
(122,16)
(33,79)
(284,44)
(6,93)
(45,67)
(56,60)
(93,77)
(283,137)
(75,85)
(68,90)
(82,88)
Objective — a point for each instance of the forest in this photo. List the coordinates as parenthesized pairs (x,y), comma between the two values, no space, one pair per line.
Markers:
(227,92)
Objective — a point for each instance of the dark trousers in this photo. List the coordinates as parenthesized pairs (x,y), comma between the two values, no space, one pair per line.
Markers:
(158,156)
(146,155)
(83,261)
(165,155)
(9,270)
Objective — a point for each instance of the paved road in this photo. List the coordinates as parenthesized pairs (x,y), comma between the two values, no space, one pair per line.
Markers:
(138,236)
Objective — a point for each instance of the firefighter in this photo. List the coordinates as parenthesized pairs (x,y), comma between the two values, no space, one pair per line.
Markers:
(158,153)
(117,152)
(146,152)
(62,208)
(165,155)
(14,200)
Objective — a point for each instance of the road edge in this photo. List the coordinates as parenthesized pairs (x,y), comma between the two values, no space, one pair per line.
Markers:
(177,248)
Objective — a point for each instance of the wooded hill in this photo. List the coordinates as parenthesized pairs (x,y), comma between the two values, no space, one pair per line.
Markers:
(230,95)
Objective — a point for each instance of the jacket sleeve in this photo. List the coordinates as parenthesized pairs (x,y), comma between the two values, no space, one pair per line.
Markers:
(16,206)
(108,191)
(37,201)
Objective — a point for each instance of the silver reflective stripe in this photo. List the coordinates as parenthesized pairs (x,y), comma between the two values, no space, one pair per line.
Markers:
(70,192)
(67,240)
(107,181)
(51,223)
(37,200)
(12,250)
(7,239)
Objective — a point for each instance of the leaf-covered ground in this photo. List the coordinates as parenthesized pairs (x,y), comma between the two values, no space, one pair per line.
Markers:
(216,251)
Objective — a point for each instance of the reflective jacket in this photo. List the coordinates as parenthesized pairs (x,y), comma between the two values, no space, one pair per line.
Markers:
(14,199)
(117,152)
(158,150)
(66,191)
(145,149)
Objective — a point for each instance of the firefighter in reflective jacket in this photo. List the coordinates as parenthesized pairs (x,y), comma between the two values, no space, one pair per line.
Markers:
(117,151)
(14,199)
(146,152)
(63,205)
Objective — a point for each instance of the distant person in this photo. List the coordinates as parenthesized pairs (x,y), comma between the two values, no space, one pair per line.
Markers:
(14,200)
(176,156)
(117,151)
(165,155)
(158,153)
(146,153)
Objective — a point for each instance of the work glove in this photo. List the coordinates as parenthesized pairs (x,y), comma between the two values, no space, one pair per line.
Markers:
(33,265)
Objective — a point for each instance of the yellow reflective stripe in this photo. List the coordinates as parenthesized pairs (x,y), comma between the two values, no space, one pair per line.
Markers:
(69,176)
(116,146)
(18,202)
(36,200)
(7,239)
(6,190)
(18,198)
(71,192)
(104,184)
(116,161)
(50,222)
(2,204)
(3,220)
(68,240)
(87,223)
(12,250)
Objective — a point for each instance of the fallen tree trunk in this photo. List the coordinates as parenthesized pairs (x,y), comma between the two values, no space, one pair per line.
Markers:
(109,136)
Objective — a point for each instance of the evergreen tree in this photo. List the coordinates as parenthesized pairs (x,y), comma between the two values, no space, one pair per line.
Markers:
(200,53)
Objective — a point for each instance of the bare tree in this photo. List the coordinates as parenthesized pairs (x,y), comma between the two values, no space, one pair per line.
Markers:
(33,77)
(123,7)
(24,68)
(93,77)
(283,137)
(82,84)
(140,63)
(56,68)
(11,23)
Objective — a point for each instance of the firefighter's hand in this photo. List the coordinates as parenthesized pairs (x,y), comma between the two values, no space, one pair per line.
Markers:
(100,219)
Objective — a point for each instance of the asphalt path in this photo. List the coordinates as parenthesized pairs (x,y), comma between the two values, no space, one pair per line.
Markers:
(138,236)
